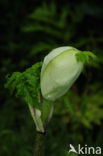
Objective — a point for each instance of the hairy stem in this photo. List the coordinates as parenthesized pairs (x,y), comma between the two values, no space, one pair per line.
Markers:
(39,142)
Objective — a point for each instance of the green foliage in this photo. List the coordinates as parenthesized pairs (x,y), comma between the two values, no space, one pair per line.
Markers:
(63,26)
(32,29)
(83,109)
(72,154)
(26,84)
(86,57)
(46,21)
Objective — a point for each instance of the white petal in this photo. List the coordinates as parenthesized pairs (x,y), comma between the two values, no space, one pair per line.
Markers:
(52,55)
(60,74)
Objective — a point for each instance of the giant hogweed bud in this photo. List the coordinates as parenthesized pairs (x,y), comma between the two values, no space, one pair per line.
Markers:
(59,71)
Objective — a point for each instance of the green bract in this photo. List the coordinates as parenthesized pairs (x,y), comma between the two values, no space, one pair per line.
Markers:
(59,71)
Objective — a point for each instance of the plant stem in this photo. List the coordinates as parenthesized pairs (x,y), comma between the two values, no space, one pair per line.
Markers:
(39,142)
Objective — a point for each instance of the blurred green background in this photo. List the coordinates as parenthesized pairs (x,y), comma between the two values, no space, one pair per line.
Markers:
(29,30)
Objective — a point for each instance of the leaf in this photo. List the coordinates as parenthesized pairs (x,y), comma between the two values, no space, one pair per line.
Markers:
(86,57)
(12,81)
(26,84)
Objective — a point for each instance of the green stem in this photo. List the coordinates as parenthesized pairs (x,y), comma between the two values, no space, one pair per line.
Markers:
(39,142)
(36,115)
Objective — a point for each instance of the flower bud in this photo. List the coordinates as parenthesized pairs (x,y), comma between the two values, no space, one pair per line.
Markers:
(59,71)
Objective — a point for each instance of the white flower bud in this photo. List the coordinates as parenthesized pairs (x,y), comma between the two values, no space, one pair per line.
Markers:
(59,71)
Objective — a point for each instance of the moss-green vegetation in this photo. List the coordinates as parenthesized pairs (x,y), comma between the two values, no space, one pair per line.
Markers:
(28,32)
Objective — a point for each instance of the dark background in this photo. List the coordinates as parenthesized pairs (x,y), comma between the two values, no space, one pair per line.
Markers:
(28,31)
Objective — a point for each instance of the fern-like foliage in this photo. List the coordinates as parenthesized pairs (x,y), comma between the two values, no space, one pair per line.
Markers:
(50,26)
(86,57)
(26,84)
(85,109)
